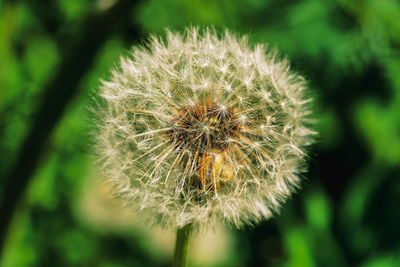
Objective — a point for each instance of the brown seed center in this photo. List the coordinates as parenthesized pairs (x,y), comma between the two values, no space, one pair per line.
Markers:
(203,128)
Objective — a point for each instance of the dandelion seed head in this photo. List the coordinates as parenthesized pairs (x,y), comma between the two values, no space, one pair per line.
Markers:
(204,128)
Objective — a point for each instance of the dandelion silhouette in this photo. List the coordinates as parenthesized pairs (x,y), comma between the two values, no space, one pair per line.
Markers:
(202,128)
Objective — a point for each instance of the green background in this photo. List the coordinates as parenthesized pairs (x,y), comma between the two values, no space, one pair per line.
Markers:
(347,213)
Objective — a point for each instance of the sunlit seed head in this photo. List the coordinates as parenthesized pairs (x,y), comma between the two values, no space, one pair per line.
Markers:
(210,126)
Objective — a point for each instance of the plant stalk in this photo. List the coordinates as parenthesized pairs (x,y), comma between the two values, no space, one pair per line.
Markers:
(182,245)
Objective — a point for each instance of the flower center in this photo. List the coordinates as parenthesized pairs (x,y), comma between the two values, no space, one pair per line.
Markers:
(204,128)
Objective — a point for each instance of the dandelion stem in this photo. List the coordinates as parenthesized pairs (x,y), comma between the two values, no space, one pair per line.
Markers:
(182,245)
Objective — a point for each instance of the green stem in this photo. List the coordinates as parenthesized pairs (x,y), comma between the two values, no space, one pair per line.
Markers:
(182,245)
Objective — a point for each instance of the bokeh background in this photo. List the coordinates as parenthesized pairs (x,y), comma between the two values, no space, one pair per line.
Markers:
(54,211)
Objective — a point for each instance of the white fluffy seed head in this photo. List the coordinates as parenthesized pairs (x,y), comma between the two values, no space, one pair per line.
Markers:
(203,128)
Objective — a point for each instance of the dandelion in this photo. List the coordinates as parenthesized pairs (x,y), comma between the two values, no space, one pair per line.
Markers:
(200,128)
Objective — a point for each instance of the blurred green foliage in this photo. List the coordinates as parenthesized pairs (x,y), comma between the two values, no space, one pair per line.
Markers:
(347,213)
